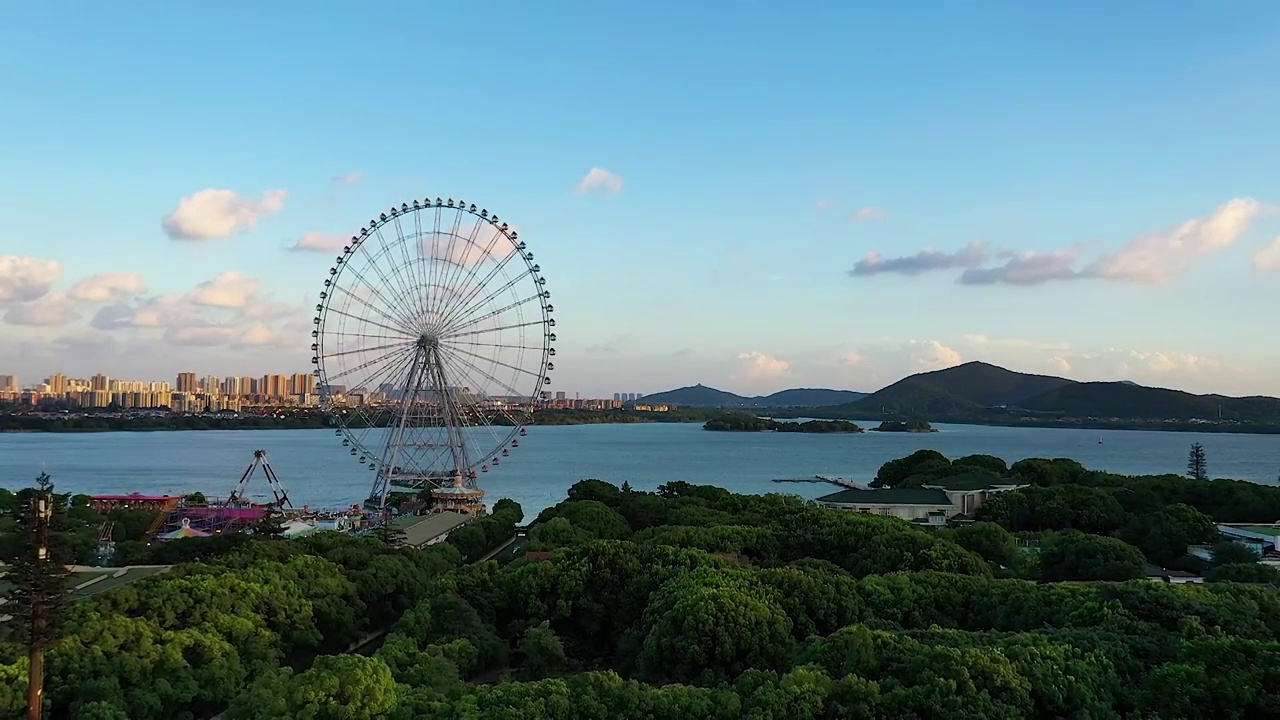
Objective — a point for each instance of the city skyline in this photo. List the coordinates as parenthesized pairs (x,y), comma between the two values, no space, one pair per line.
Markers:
(1024,186)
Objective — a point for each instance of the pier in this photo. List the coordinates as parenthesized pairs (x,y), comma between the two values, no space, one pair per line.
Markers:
(843,482)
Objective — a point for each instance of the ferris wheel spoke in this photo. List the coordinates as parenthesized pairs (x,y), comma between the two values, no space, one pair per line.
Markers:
(399,332)
(433,270)
(442,261)
(472,322)
(420,269)
(511,392)
(530,348)
(405,287)
(398,303)
(344,353)
(498,362)
(483,417)
(465,300)
(456,262)
(364,365)
(470,272)
(389,312)
(500,328)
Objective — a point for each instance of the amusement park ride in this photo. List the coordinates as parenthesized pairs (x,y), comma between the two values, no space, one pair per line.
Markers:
(432,343)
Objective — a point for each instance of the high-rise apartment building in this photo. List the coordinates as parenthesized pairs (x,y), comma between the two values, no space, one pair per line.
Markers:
(57,383)
(99,382)
(8,383)
(210,384)
(274,386)
(186,382)
(235,386)
(302,384)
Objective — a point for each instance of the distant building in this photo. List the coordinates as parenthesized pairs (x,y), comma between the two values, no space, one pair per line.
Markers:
(1262,539)
(1175,577)
(929,505)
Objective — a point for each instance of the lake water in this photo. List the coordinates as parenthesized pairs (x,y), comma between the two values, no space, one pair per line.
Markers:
(316,469)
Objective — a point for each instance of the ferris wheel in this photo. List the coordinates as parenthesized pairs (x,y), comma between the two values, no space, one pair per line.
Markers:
(432,345)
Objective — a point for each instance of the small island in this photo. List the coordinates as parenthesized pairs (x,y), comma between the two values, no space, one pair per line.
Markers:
(742,422)
(912,426)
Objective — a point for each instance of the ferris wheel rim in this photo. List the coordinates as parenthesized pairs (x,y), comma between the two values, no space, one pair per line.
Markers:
(459,332)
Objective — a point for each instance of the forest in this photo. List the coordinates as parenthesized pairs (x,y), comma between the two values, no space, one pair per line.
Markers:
(694,602)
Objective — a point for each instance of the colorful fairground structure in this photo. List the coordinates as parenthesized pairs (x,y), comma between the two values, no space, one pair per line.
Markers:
(194,516)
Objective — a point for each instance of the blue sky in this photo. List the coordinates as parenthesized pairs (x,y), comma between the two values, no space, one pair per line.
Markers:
(747,144)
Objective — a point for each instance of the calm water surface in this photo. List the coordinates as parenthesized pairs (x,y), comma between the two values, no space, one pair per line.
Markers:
(316,469)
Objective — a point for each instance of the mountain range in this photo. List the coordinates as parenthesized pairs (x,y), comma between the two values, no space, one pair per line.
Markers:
(701,396)
(981,390)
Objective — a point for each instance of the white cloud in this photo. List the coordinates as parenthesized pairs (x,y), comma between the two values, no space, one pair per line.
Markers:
(871,213)
(1159,256)
(851,357)
(23,279)
(1154,366)
(267,310)
(216,213)
(1149,258)
(1268,257)
(201,335)
(228,290)
(321,242)
(757,365)
(53,309)
(259,335)
(601,180)
(1025,269)
(927,260)
(350,178)
(823,203)
(932,355)
(987,342)
(1058,365)
(155,312)
(108,287)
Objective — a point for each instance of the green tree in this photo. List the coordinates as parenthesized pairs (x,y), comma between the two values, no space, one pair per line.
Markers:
(35,558)
(894,472)
(1247,572)
(706,630)
(542,650)
(1164,535)
(1073,555)
(992,542)
(342,687)
(1197,463)
(1226,552)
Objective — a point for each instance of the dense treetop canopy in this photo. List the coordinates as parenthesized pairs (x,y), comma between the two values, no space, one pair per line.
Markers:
(692,601)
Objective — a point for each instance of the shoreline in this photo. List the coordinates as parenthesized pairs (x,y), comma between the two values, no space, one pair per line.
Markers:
(561,420)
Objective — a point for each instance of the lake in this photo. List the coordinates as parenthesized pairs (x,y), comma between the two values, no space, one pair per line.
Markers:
(316,469)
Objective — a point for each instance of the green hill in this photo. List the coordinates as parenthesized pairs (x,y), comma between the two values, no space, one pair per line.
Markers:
(977,390)
(964,389)
(1125,400)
